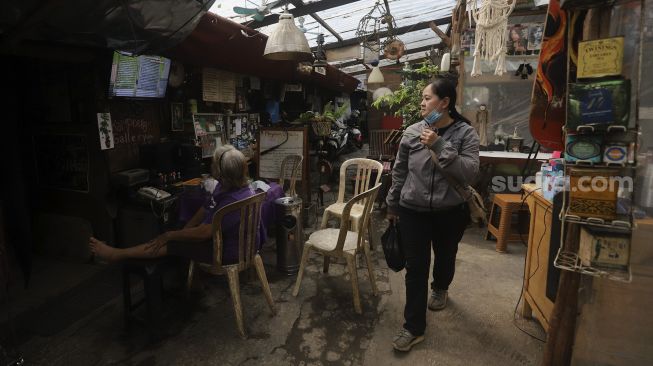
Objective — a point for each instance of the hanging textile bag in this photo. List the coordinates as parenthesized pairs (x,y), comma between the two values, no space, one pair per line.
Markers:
(392,249)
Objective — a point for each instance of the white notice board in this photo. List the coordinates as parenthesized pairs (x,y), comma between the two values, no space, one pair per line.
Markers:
(287,141)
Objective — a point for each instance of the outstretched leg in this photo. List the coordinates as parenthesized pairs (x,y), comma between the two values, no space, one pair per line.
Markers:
(111,254)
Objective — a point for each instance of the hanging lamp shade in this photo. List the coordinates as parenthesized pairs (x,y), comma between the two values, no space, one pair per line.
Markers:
(287,42)
(376,76)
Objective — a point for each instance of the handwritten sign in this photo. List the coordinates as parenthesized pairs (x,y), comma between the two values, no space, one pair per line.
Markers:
(62,161)
(288,142)
(137,131)
(602,57)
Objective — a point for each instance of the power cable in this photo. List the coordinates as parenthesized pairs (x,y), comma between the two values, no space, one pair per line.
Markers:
(521,292)
(276,146)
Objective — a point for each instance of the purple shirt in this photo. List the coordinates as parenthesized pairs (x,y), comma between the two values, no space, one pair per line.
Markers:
(230,222)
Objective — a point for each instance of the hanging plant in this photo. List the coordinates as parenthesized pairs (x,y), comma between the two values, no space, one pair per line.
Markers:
(405,101)
(321,122)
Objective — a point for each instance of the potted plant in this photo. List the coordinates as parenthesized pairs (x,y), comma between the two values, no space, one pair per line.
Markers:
(406,100)
(321,122)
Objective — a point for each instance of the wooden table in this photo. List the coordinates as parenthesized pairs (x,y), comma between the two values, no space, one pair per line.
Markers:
(493,163)
(537,258)
(509,156)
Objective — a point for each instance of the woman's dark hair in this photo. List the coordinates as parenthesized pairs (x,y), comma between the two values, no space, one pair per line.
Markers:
(445,88)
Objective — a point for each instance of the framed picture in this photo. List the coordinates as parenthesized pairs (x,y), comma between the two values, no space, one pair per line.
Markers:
(517,39)
(177,116)
(209,132)
(514,144)
(535,36)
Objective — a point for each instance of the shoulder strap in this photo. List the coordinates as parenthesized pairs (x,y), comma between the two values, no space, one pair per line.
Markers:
(460,189)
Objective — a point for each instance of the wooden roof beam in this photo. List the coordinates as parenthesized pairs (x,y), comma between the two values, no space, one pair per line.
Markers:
(300,4)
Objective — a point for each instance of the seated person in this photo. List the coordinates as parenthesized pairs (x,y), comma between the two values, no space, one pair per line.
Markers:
(195,240)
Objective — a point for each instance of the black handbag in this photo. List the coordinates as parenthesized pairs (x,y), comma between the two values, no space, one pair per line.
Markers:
(392,249)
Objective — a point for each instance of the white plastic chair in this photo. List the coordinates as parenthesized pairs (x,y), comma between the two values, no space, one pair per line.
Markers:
(344,243)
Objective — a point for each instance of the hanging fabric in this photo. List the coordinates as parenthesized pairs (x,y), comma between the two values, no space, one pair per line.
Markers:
(491,19)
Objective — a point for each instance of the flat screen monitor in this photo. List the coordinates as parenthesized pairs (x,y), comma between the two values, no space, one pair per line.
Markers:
(138,76)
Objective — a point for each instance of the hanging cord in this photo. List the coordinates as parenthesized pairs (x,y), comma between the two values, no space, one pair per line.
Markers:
(276,146)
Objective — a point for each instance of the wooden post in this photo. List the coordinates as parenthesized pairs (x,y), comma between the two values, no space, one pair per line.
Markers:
(560,339)
(457,56)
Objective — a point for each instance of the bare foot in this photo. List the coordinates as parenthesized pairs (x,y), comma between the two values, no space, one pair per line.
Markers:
(102,250)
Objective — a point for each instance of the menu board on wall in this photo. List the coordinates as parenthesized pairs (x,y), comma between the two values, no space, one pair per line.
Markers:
(138,76)
(62,161)
(218,86)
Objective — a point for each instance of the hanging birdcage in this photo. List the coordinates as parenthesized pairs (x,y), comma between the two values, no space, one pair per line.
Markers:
(372,24)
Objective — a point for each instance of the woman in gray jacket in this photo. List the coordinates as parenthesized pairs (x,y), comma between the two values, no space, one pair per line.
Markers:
(429,212)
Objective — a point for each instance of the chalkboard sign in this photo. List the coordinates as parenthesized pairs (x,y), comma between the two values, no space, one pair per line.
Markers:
(130,130)
(137,131)
(62,161)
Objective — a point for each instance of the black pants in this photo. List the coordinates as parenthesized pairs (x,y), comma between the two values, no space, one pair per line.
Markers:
(421,231)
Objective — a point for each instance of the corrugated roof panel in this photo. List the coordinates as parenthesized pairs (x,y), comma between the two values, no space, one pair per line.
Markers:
(345,19)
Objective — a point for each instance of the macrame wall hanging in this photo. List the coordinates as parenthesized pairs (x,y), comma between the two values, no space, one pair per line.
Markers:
(491,19)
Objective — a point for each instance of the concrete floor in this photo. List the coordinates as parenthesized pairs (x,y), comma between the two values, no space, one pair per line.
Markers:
(319,327)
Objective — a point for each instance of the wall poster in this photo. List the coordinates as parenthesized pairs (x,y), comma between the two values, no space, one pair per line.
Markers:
(106,131)
(209,132)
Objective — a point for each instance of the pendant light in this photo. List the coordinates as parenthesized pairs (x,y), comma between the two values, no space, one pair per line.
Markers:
(445,63)
(376,76)
(287,42)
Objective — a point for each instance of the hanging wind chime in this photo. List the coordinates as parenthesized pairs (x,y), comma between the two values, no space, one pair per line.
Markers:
(491,19)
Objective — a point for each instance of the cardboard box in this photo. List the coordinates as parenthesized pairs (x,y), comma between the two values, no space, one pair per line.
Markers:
(604,248)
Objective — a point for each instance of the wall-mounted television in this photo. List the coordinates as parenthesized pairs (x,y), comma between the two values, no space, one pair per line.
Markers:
(138,76)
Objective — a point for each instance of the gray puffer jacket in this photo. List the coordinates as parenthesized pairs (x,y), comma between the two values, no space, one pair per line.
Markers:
(416,184)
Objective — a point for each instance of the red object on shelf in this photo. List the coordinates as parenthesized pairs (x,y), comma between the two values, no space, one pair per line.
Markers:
(391,122)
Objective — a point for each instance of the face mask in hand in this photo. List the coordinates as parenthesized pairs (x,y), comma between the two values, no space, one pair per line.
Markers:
(433,117)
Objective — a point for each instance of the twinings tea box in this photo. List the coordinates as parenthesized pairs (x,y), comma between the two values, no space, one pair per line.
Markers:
(583,147)
(593,193)
(598,104)
(615,153)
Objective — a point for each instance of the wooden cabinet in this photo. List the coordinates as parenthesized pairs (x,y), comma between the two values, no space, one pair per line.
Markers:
(537,258)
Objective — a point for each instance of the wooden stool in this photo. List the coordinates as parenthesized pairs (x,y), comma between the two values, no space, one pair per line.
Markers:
(506,205)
